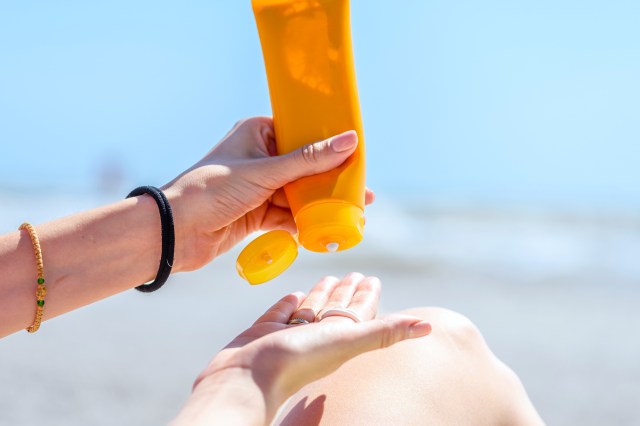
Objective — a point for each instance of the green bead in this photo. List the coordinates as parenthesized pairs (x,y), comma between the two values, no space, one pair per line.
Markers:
(40,302)
(40,280)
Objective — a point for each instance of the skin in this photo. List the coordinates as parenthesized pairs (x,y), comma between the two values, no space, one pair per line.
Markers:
(234,190)
(261,368)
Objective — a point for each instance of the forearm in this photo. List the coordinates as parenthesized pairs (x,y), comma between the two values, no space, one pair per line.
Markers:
(87,257)
(229,397)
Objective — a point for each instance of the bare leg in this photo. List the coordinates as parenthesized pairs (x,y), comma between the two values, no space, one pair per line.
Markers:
(448,378)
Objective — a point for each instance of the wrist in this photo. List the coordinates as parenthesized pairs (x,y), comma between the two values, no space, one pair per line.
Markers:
(185,229)
(196,238)
(229,396)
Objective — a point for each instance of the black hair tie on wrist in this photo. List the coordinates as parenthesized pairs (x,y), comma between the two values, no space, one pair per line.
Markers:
(168,237)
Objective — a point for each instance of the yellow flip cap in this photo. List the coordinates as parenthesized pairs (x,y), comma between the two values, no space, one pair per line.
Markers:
(267,256)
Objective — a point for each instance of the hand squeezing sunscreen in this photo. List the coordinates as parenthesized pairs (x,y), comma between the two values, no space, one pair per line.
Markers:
(309,63)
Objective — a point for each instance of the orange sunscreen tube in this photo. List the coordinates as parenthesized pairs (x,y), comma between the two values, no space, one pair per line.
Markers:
(310,70)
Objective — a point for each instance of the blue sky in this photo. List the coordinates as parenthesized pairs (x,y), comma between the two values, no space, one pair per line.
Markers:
(492,101)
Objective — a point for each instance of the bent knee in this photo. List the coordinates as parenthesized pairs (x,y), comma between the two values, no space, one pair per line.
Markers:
(451,326)
(460,345)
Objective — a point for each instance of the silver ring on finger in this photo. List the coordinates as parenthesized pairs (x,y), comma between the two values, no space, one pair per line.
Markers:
(297,321)
(339,312)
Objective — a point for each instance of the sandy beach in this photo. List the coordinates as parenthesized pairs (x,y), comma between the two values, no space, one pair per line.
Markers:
(555,295)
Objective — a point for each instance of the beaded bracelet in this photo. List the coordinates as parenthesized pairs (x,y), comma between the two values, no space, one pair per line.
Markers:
(41,290)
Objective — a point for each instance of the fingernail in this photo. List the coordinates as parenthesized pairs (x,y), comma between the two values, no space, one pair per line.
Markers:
(419,329)
(344,141)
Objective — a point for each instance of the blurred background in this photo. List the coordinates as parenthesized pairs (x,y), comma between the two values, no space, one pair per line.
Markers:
(502,142)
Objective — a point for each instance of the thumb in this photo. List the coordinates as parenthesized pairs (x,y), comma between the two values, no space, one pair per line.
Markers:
(347,341)
(311,159)
(387,331)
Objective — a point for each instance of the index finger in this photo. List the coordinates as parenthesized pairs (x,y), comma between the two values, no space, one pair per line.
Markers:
(281,311)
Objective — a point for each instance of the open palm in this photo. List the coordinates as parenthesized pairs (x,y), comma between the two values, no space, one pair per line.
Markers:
(290,356)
